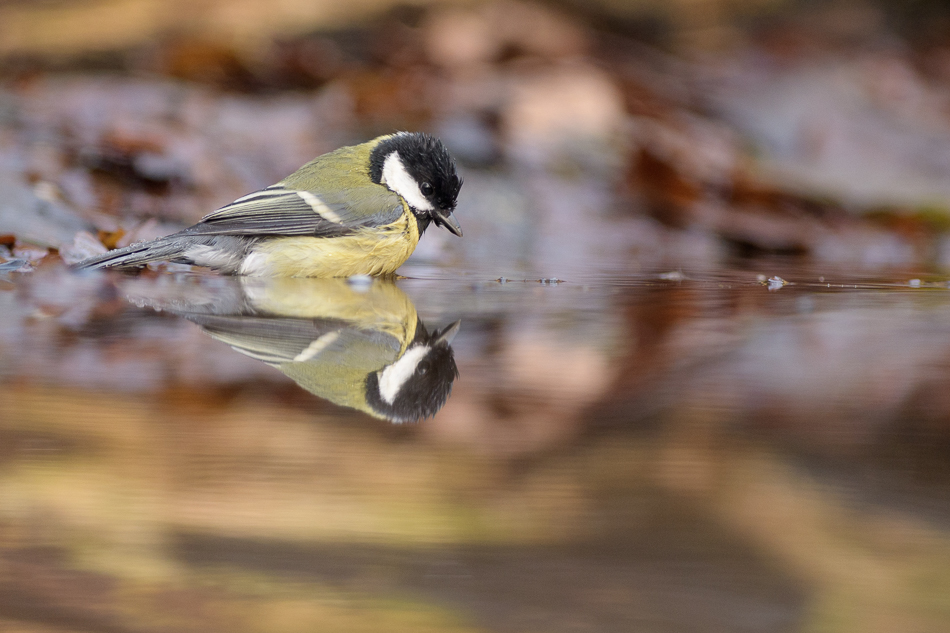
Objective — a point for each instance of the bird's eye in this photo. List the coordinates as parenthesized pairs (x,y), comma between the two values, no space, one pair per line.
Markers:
(426,189)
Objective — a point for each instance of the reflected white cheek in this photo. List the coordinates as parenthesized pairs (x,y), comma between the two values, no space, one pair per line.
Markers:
(395,376)
(398,180)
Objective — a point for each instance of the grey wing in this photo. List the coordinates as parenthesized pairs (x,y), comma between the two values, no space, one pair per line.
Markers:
(274,341)
(277,210)
(277,341)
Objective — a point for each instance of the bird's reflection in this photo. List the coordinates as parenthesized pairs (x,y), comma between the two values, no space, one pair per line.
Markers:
(358,345)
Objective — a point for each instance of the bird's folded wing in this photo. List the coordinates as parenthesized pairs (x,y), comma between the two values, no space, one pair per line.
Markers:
(277,210)
(271,340)
(283,340)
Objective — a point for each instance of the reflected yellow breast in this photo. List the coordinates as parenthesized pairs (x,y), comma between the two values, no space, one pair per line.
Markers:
(371,251)
(382,307)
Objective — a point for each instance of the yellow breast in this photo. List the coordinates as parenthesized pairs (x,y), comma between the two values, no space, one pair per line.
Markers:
(371,251)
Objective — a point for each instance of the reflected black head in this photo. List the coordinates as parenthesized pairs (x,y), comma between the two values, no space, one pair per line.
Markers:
(428,162)
(426,390)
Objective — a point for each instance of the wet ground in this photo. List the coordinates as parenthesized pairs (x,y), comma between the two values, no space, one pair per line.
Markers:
(665,451)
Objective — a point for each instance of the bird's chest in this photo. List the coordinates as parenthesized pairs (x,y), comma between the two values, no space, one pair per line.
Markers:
(371,251)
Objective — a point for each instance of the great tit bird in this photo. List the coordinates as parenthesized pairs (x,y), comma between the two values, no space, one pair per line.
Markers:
(358,210)
(358,347)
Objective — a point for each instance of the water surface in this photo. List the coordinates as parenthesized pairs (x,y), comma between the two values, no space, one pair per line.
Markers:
(668,451)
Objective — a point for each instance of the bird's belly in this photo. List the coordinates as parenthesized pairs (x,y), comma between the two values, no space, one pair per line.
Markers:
(366,252)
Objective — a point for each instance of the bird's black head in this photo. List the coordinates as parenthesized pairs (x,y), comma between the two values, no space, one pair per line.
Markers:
(419,382)
(418,168)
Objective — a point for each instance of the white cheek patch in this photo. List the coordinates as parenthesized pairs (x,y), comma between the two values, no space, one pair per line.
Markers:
(398,180)
(395,376)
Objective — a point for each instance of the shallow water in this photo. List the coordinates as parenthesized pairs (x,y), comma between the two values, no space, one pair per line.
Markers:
(670,451)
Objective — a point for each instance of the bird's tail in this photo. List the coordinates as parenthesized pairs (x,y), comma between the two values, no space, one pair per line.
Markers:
(163,249)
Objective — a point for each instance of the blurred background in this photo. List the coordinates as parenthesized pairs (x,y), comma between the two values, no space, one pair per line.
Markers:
(703,292)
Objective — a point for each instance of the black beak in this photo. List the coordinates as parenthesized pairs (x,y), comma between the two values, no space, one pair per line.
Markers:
(446,220)
(447,335)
